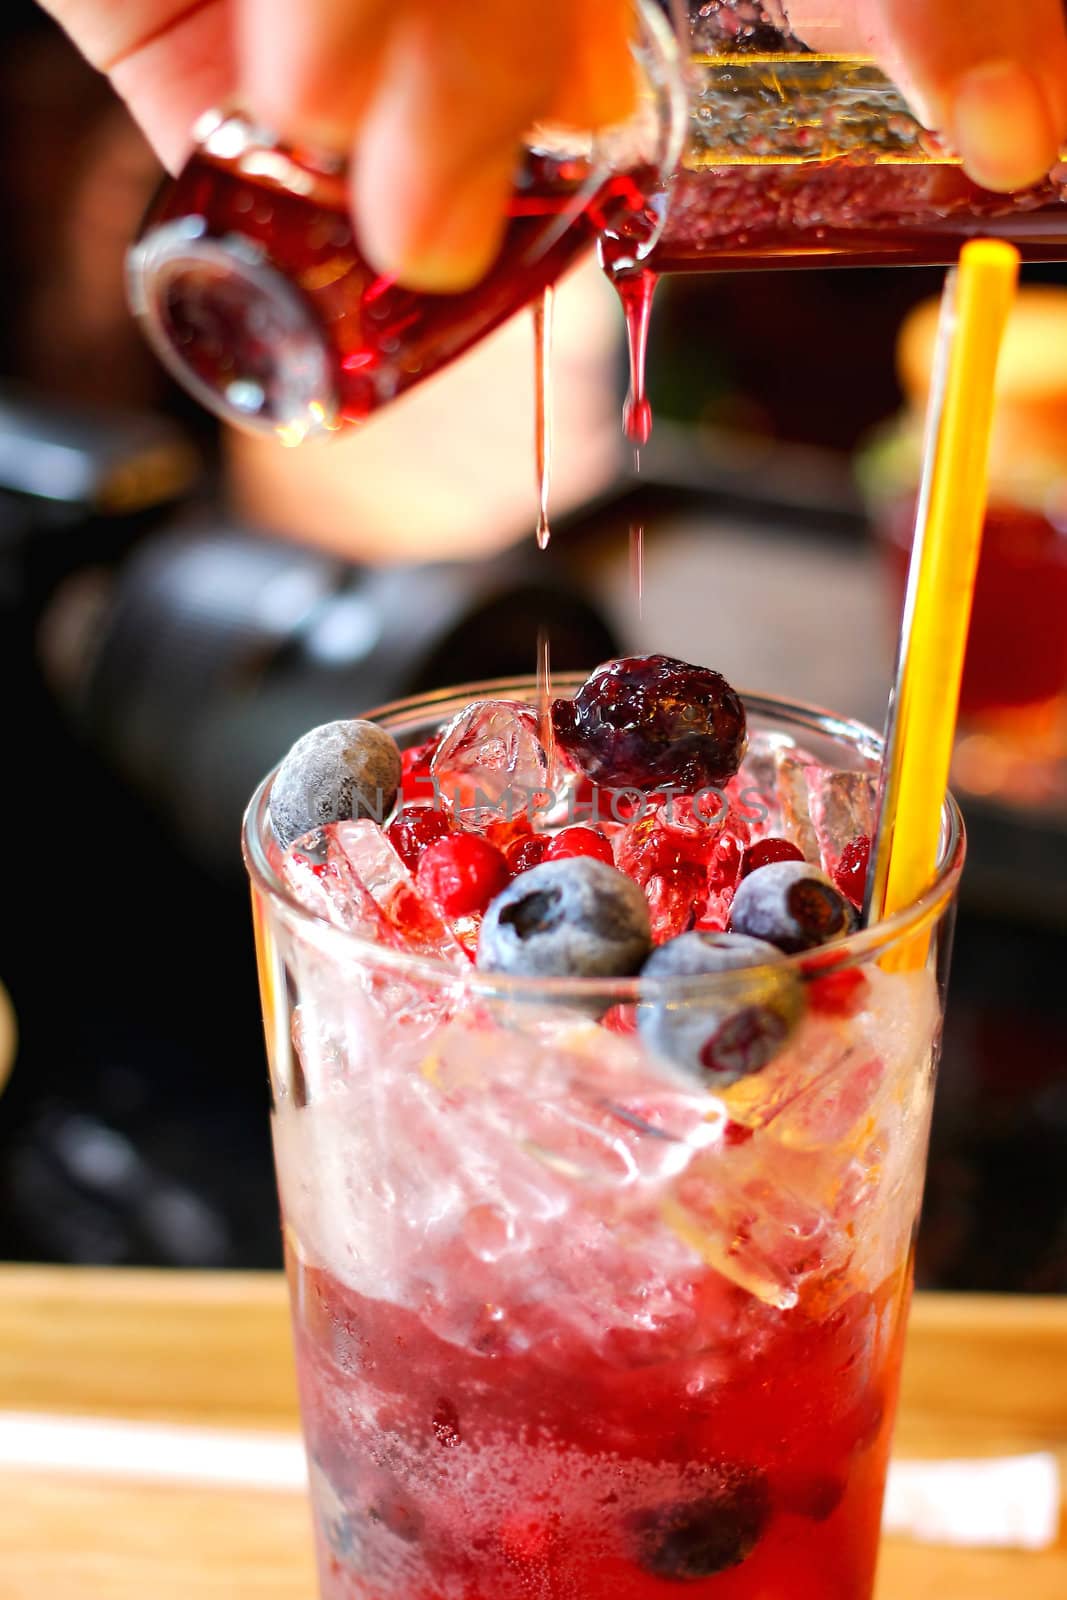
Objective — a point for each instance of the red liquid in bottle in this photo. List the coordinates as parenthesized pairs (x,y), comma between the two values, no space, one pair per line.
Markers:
(301,330)
(845,213)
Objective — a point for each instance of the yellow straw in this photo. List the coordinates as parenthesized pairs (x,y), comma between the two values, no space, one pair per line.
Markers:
(937,610)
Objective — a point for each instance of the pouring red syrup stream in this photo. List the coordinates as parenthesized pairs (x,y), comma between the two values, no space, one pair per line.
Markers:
(542,322)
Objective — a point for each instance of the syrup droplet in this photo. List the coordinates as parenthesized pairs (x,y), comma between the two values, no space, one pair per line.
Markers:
(636,291)
(542,320)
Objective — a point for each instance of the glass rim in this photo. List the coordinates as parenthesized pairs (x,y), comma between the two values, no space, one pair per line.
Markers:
(921,915)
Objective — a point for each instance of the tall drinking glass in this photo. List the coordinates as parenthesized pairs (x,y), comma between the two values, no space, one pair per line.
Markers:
(568,1323)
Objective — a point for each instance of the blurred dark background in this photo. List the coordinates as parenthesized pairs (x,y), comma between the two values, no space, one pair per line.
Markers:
(177,606)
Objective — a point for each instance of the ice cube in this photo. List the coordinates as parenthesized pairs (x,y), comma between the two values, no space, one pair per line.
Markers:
(724,872)
(520,1200)
(838,1076)
(823,808)
(753,791)
(842,806)
(667,851)
(580,1102)
(491,761)
(835,1101)
(409,921)
(791,793)
(674,901)
(349,874)
(325,883)
(738,1209)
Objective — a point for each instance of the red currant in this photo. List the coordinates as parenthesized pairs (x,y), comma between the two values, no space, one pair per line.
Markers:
(462,873)
(766,851)
(850,874)
(525,852)
(580,842)
(839,994)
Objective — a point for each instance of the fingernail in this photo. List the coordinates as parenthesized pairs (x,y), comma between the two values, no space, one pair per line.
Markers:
(443,243)
(1001,125)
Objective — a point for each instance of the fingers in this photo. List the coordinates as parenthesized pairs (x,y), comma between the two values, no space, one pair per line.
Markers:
(438,145)
(989,74)
(173,79)
(107,34)
(1001,120)
(993,76)
(598,86)
(171,60)
(434,99)
(309,67)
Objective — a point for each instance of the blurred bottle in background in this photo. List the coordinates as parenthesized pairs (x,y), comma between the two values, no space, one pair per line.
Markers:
(1012,747)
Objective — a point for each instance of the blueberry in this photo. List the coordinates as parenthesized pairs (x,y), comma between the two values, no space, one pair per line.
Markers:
(791,905)
(691,1539)
(727,1036)
(338,771)
(576,918)
(356,1520)
(653,722)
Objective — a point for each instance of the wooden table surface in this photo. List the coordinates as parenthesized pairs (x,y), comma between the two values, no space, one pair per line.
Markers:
(983,1376)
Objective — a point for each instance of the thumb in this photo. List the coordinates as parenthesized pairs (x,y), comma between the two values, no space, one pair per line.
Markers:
(994,87)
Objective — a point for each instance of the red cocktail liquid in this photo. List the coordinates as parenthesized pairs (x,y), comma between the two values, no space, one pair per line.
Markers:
(743,1458)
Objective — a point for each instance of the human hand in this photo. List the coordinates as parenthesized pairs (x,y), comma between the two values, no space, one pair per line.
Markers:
(431,97)
(991,75)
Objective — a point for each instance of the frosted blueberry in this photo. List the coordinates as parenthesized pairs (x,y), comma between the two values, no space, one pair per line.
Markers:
(792,905)
(575,918)
(684,1541)
(337,771)
(721,1036)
